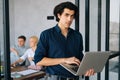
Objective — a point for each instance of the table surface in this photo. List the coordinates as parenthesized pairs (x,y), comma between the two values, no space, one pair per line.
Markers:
(30,76)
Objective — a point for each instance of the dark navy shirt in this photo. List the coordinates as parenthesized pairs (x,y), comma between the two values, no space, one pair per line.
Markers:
(53,44)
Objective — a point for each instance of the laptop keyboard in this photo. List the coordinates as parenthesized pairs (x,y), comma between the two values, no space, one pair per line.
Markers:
(75,67)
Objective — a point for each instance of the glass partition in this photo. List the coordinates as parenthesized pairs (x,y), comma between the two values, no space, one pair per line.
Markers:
(114,34)
(114,25)
(1,40)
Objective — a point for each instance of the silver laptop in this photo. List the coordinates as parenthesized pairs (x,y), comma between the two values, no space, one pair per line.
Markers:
(91,60)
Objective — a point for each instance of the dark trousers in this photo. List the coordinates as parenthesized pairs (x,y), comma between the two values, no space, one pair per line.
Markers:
(55,77)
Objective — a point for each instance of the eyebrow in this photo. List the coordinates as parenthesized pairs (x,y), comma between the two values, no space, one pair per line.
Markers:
(69,14)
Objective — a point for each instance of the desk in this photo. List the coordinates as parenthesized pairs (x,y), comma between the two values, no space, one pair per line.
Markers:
(27,77)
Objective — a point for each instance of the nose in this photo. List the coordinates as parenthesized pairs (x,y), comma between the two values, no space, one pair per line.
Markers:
(70,18)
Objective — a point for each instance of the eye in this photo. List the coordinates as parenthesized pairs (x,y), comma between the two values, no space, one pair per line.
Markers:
(72,16)
(66,14)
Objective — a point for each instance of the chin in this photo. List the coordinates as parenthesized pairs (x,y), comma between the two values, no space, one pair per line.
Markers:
(67,27)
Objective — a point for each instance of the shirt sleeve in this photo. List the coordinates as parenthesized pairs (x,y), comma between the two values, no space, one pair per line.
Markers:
(41,50)
(81,48)
(25,55)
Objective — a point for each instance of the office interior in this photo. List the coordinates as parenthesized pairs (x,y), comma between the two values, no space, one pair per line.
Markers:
(98,22)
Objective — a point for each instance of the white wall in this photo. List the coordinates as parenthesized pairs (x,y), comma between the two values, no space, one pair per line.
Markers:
(29,17)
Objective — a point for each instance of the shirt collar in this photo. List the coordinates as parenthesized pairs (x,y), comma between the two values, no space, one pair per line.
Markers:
(59,31)
(21,46)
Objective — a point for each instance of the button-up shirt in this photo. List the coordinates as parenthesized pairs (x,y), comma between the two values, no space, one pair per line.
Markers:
(52,44)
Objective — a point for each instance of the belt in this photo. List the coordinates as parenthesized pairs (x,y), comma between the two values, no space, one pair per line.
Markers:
(67,78)
(56,77)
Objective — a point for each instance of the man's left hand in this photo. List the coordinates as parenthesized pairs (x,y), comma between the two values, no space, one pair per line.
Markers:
(90,72)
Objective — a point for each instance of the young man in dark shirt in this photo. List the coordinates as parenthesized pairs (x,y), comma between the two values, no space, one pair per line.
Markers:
(61,44)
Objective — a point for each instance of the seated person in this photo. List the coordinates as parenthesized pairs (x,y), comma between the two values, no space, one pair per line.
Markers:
(29,53)
(18,50)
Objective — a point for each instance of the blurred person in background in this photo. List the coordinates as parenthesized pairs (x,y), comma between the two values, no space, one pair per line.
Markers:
(18,50)
(29,54)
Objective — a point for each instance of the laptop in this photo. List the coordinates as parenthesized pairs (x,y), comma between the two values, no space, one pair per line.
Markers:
(91,60)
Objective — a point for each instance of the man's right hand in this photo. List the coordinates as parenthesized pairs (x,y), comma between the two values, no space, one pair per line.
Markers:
(72,60)
(13,65)
(55,61)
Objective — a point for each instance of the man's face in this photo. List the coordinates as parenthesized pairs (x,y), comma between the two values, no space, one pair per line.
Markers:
(21,42)
(66,17)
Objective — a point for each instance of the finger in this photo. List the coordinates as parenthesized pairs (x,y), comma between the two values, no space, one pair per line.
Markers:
(75,63)
(76,60)
(92,71)
(89,72)
(86,74)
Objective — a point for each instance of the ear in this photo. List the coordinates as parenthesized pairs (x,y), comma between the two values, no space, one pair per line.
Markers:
(58,15)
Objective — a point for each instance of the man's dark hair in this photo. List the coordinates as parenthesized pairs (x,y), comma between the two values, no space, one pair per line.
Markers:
(60,8)
(22,37)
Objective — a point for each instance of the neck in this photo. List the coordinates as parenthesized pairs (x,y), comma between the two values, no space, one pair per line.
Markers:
(33,48)
(21,46)
(63,29)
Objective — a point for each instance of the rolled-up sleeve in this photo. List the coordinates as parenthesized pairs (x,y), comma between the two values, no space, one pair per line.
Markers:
(25,55)
(41,49)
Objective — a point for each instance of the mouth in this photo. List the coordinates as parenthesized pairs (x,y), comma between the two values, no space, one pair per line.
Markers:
(68,23)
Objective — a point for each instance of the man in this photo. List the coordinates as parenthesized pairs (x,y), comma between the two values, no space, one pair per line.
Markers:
(61,44)
(19,49)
